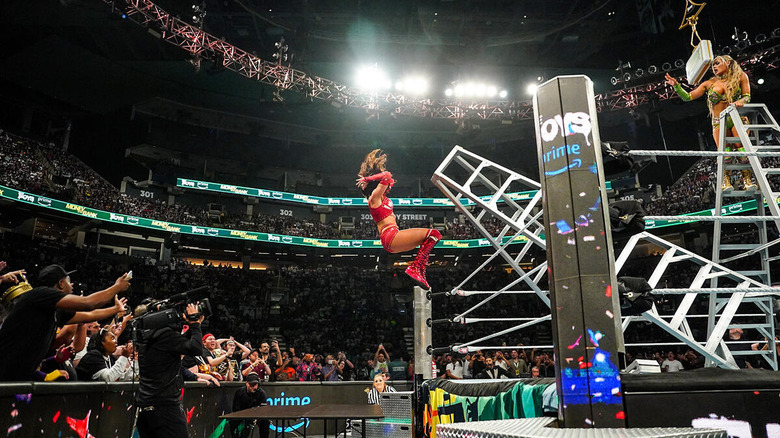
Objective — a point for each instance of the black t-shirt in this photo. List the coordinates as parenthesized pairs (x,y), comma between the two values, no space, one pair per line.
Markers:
(201,358)
(243,399)
(91,363)
(159,362)
(27,333)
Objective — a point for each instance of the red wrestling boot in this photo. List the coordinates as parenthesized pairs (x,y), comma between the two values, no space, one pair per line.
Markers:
(417,276)
(417,269)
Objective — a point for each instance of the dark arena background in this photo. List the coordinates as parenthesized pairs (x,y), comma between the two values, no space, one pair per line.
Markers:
(605,267)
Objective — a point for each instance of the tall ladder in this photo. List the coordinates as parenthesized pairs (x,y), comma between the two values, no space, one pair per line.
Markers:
(758,124)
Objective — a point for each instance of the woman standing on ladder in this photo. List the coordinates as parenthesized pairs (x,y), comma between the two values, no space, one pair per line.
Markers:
(374,181)
(730,85)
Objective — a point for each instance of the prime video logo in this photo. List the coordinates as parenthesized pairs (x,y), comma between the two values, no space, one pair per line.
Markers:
(289,401)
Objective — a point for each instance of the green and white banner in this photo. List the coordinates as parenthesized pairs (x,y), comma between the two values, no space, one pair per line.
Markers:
(87,212)
(318,200)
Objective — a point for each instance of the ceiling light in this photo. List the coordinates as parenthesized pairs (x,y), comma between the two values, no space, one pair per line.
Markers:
(760,81)
(531,88)
(502,94)
(448,92)
(371,79)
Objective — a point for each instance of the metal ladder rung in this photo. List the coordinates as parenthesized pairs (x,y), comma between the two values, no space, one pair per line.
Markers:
(741,194)
(770,171)
(738,246)
(752,273)
(749,326)
(759,126)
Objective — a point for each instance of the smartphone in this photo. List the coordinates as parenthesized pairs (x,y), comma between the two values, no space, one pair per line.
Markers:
(130,275)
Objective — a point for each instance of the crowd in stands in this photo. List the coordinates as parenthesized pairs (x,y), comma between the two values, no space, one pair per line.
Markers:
(695,190)
(44,169)
(307,323)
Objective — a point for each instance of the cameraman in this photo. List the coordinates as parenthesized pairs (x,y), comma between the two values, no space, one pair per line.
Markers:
(160,413)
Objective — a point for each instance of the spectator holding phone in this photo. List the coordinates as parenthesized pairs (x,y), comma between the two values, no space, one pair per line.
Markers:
(28,331)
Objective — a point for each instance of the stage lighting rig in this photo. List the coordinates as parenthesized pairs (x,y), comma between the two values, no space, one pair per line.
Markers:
(198,14)
(281,54)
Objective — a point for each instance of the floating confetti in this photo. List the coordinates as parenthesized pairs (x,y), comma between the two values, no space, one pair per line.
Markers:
(595,337)
(56,417)
(599,379)
(576,343)
(81,427)
(610,314)
(589,238)
(609,291)
(189,414)
(14,428)
(589,421)
(621,415)
(582,193)
(23,397)
(14,413)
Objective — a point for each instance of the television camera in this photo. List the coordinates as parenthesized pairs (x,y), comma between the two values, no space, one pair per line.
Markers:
(154,314)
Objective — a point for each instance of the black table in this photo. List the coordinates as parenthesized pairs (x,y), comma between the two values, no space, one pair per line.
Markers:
(321,412)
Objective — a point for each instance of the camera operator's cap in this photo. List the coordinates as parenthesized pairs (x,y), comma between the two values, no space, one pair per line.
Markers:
(252,378)
(51,274)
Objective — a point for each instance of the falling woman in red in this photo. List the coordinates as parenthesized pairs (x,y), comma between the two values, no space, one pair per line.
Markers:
(374,181)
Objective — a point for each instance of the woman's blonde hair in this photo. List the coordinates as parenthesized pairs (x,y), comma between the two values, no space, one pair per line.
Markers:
(732,79)
(373,163)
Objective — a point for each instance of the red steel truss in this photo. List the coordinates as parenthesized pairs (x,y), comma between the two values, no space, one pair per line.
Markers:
(204,45)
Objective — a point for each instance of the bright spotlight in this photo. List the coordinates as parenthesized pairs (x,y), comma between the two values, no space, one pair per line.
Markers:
(492,91)
(760,81)
(399,86)
(460,90)
(531,88)
(502,94)
(470,89)
(372,79)
(448,92)
(415,85)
